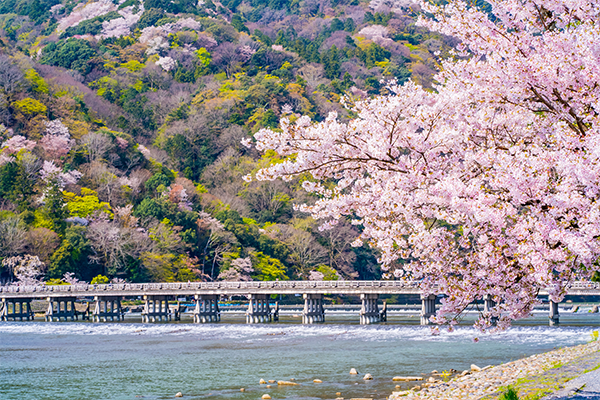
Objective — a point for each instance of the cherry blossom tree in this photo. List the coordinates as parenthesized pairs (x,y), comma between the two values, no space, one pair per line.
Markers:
(27,269)
(53,176)
(16,144)
(239,270)
(85,11)
(487,186)
(69,277)
(57,141)
(122,26)
(166,63)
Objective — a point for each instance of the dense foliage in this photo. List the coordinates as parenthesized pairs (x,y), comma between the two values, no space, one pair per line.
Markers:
(120,150)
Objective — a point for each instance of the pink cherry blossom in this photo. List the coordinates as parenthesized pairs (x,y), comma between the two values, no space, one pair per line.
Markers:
(16,144)
(166,63)
(487,186)
(57,141)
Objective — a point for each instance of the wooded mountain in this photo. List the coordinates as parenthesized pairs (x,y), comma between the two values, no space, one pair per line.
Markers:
(120,149)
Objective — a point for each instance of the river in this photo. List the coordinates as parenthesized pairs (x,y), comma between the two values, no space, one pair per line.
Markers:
(131,360)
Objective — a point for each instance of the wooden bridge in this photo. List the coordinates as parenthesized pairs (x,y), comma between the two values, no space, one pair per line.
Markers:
(15,301)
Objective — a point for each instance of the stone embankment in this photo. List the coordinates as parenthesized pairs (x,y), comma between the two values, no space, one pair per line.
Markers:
(484,383)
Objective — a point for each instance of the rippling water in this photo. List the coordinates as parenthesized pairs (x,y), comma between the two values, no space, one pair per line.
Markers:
(129,360)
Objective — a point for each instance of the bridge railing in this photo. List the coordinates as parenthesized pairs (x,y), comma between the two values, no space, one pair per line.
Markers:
(81,289)
(170,286)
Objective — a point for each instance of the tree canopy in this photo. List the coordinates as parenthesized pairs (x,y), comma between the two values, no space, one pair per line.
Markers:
(486,185)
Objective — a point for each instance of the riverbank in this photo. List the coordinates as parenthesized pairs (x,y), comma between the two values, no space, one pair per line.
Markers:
(534,376)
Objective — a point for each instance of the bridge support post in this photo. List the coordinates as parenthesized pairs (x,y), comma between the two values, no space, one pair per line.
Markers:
(107,307)
(156,308)
(553,317)
(276,312)
(61,307)
(207,309)
(258,309)
(383,313)
(369,312)
(21,308)
(488,304)
(427,308)
(313,309)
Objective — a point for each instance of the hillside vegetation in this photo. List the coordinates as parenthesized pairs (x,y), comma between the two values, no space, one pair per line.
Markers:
(121,129)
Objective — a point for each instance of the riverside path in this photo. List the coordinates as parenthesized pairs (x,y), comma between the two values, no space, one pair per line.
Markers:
(15,301)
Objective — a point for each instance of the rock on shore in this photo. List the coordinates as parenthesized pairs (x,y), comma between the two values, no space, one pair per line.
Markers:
(489,379)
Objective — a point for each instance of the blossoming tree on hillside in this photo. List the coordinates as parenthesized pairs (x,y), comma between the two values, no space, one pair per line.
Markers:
(487,186)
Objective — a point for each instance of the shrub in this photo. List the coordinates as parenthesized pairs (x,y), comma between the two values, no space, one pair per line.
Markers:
(99,280)
(509,394)
(55,282)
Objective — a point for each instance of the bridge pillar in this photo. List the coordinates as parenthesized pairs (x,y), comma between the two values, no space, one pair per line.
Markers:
(313,309)
(21,308)
(258,309)
(369,312)
(488,304)
(107,307)
(156,308)
(276,312)
(383,313)
(207,309)
(61,307)
(553,317)
(427,308)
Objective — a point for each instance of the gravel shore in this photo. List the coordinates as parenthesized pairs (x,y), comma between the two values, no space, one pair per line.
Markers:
(536,375)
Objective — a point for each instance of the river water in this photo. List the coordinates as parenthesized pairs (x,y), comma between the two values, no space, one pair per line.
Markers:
(131,360)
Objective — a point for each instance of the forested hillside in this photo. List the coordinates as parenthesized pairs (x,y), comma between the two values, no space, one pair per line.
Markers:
(121,129)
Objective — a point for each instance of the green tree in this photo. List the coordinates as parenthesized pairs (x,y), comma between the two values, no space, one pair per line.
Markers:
(86,204)
(237,23)
(149,18)
(72,256)
(38,84)
(267,268)
(30,107)
(71,53)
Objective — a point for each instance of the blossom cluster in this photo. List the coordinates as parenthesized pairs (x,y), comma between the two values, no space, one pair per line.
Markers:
(122,26)
(166,63)
(155,37)
(85,11)
(487,186)
(57,141)
(16,144)
(51,174)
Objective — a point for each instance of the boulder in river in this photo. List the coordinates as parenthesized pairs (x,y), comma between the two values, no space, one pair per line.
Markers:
(286,383)
(475,368)
(179,394)
(353,371)
(368,377)
(262,382)
(407,378)
(317,381)
(266,397)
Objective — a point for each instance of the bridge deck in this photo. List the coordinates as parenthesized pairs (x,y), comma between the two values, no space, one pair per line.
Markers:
(242,288)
